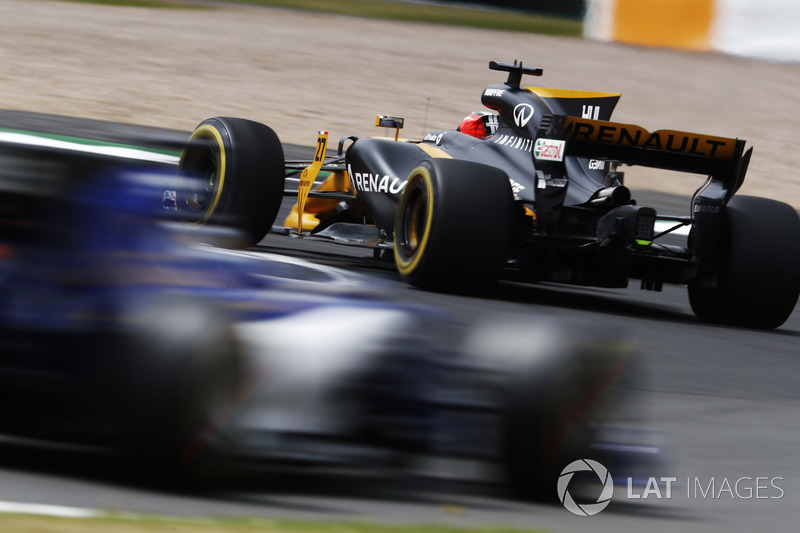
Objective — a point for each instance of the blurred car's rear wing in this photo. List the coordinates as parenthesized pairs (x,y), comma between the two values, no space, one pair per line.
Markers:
(722,158)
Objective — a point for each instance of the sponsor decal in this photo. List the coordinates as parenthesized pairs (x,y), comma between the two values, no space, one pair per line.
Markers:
(517,143)
(636,136)
(596,164)
(169,201)
(523,113)
(493,92)
(591,112)
(492,124)
(549,149)
(516,187)
(434,138)
(367,182)
(710,209)
(546,180)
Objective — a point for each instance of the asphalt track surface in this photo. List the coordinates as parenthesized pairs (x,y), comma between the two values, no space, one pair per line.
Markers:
(724,402)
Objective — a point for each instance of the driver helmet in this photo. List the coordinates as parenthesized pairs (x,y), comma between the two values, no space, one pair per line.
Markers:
(480,124)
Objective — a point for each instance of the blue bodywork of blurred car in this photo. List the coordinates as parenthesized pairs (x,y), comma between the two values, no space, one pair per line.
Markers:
(117,330)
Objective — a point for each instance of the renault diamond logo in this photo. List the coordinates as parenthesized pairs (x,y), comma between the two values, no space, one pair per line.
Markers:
(523,113)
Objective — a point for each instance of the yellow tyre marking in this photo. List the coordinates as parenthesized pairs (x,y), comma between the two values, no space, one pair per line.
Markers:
(403,265)
(206,131)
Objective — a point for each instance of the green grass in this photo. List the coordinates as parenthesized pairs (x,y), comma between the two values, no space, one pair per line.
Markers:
(451,16)
(434,14)
(41,524)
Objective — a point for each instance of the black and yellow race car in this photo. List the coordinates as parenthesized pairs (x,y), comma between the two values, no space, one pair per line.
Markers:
(530,192)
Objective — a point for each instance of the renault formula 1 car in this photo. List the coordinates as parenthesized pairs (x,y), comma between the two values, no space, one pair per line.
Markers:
(534,193)
(201,363)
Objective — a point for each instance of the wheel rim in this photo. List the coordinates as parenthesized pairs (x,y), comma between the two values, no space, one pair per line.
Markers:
(199,186)
(201,176)
(414,221)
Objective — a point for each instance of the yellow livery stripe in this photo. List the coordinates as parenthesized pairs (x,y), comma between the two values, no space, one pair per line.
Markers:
(433,151)
(544,92)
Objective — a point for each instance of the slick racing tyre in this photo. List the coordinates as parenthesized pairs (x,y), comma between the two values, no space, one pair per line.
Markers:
(453,224)
(756,280)
(185,374)
(563,380)
(231,175)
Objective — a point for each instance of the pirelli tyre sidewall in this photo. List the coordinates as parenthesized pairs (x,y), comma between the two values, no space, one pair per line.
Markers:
(231,175)
(755,280)
(453,224)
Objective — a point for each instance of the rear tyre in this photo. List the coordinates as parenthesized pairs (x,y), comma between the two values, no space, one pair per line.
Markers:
(756,281)
(453,224)
(231,175)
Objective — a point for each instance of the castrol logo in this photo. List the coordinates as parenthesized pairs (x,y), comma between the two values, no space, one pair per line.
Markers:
(549,150)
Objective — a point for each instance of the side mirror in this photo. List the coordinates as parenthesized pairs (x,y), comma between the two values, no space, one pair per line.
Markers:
(384,121)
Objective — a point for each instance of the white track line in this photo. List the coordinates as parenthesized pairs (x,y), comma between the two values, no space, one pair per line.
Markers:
(41,509)
(114,151)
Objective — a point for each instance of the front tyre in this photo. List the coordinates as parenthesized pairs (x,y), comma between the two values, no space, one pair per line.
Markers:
(231,174)
(755,281)
(184,376)
(453,224)
(562,381)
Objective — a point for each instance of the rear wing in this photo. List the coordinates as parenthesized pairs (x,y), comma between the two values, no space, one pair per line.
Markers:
(721,158)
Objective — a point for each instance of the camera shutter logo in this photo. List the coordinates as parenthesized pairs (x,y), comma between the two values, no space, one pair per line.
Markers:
(586,509)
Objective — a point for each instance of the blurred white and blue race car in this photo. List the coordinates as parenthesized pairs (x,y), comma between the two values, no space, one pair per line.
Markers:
(117,331)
